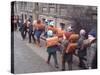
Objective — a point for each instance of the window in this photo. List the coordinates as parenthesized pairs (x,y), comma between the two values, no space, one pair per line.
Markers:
(52,10)
(63,12)
(44,9)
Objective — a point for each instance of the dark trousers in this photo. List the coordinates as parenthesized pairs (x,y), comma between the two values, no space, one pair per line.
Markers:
(31,35)
(82,64)
(94,63)
(23,34)
(54,56)
(15,26)
(67,58)
(82,58)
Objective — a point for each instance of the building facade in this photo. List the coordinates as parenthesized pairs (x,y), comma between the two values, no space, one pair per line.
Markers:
(77,16)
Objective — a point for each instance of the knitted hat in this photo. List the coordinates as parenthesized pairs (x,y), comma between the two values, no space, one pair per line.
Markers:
(93,33)
(51,23)
(82,32)
(69,28)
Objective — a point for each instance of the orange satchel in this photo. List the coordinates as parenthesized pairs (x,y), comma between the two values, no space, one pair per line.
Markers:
(71,47)
(52,41)
(60,32)
(73,38)
(72,43)
(68,34)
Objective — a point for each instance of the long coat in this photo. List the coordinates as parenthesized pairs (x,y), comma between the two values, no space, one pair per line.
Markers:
(91,53)
(81,52)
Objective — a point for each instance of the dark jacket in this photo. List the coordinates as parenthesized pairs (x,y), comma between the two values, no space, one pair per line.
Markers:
(30,28)
(22,27)
(81,51)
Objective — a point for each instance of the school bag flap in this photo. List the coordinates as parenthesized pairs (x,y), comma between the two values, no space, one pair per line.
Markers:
(52,41)
(60,32)
(74,38)
(71,47)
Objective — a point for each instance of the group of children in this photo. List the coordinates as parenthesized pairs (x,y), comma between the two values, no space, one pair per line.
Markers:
(66,41)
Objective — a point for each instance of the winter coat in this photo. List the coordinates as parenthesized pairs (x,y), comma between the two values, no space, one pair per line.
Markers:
(81,51)
(91,52)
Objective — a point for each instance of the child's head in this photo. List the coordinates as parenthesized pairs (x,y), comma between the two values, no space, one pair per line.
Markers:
(82,32)
(38,21)
(69,29)
(49,33)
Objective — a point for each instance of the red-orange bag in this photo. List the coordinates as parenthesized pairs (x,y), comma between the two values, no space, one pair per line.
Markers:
(68,34)
(60,32)
(52,41)
(73,38)
(71,47)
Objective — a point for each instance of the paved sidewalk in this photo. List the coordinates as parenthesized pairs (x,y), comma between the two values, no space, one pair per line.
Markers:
(30,59)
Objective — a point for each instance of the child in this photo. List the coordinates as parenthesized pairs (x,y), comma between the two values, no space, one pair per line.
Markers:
(39,28)
(52,47)
(92,51)
(69,50)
